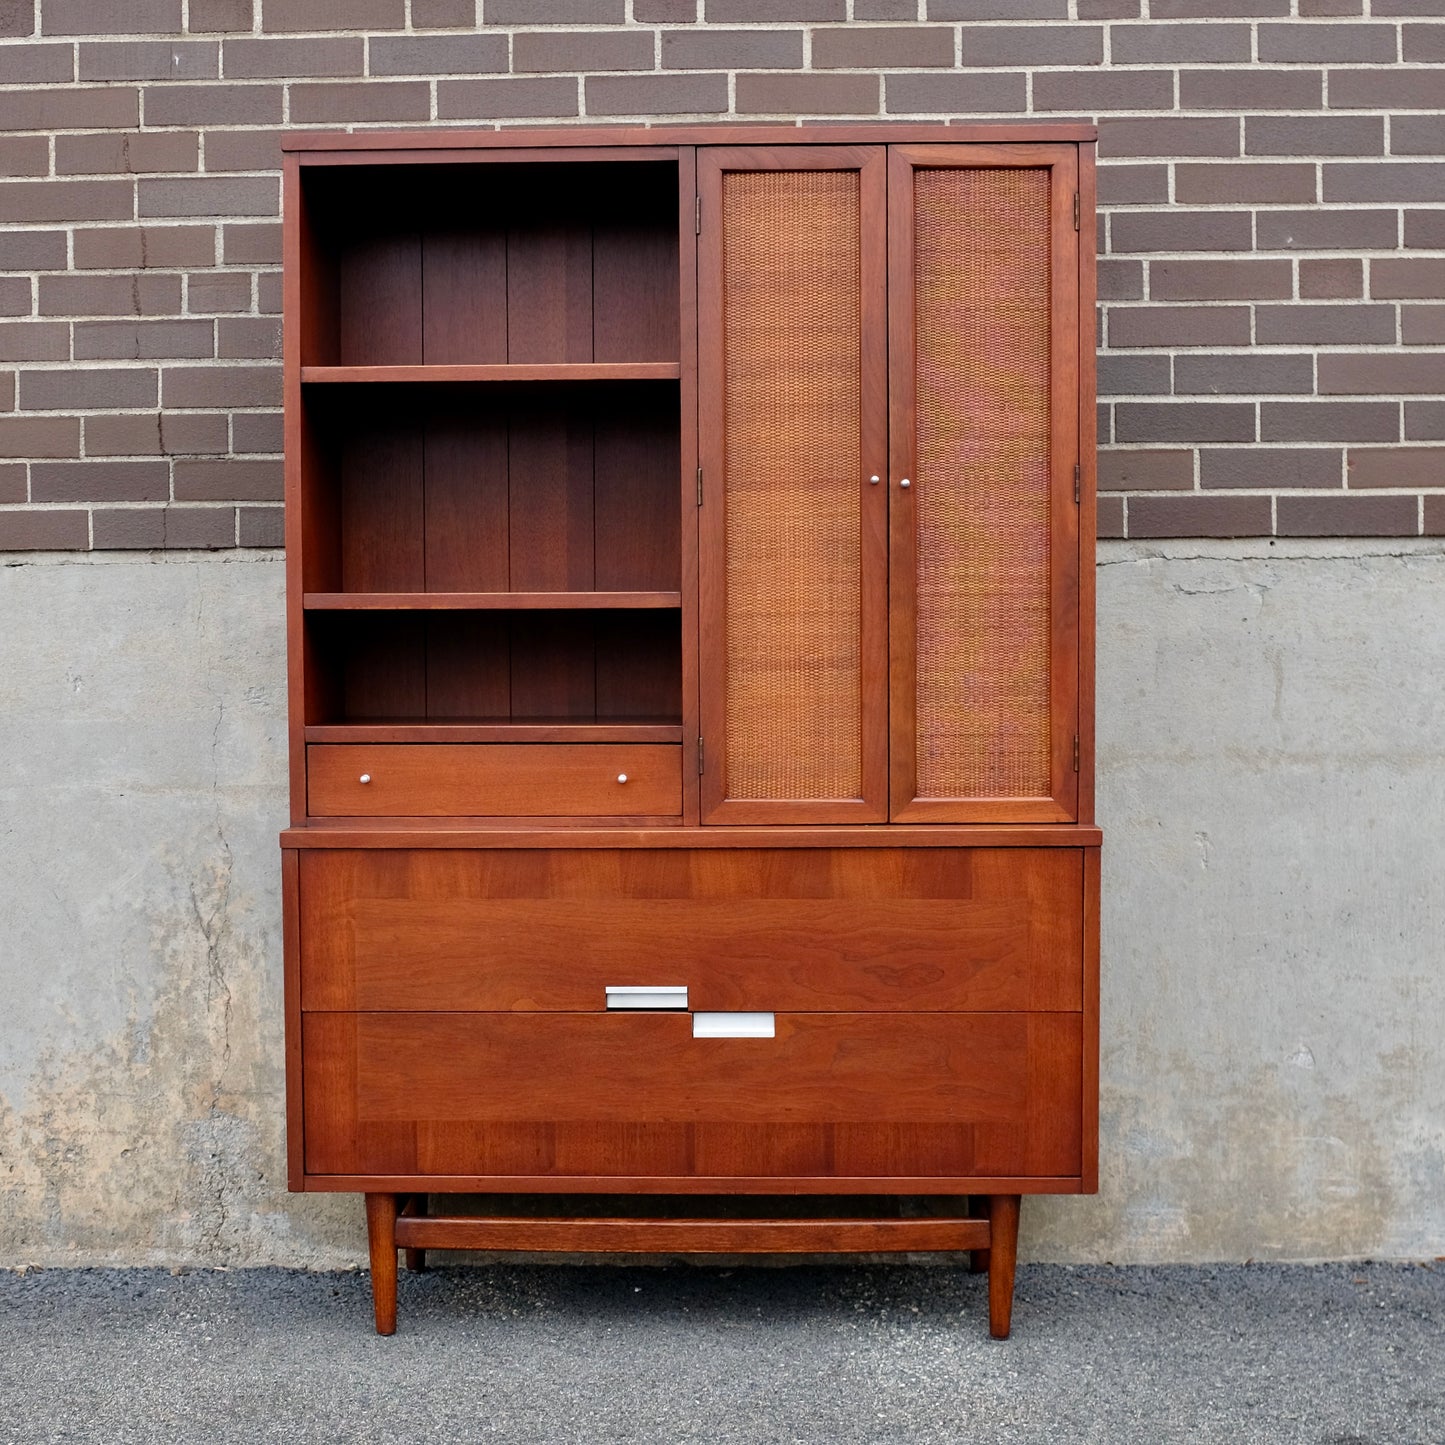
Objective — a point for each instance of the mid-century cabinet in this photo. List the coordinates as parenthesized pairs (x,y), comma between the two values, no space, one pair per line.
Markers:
(689,542)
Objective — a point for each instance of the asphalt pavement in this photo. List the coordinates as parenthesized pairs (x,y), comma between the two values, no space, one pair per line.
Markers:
(1329,1355)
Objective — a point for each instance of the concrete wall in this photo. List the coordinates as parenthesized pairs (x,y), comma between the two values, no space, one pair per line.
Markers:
(1272,779)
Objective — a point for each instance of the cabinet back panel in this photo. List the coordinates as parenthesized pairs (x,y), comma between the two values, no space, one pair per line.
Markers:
(982,299)
(466,518)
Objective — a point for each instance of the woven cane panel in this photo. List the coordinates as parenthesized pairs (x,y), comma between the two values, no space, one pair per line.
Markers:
(982,297)
(792,436)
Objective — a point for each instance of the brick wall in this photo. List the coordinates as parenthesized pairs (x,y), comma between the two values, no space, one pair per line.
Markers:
(1272,232)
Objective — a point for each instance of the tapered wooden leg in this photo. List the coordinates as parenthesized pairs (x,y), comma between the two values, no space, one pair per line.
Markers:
(1003,1220)
(381,1237)
(416,1258)
(978,1258)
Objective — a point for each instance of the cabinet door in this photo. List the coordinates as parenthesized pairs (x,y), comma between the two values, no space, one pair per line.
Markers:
(792,426)
(983,395)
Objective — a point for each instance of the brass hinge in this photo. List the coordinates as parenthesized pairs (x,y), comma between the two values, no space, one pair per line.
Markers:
(1076,211)
(699,486)
(1076,752)
(697,214)
(699,757)
(1076,484)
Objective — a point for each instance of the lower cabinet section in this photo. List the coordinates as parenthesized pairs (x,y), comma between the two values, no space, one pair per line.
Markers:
(829,1096)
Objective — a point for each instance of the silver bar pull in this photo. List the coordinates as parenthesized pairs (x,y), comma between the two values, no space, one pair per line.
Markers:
(640,996)
(733,1026)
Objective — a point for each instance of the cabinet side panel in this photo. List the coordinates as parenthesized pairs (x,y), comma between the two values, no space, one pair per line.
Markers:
(793,406)
(982,297)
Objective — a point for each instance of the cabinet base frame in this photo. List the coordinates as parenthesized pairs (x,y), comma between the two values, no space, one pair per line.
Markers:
(399,1221)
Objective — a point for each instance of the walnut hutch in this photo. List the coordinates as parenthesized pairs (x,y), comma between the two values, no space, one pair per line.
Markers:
(690,602)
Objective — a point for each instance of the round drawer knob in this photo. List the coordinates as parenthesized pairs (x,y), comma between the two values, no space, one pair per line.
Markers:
(622,777)
(366,777)
(905,483)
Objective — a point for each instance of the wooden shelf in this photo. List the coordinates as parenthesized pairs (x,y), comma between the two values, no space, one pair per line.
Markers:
(518,371)
(499,730)
(489,601)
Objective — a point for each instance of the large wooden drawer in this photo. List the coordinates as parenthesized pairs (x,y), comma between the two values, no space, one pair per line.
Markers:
(762,928)
(546,780)
(613,1095)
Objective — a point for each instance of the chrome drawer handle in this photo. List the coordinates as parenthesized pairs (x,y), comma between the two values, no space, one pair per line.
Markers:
(646,996)
(733,1026)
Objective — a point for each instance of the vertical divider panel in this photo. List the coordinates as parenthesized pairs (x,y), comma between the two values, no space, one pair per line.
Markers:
(792,542)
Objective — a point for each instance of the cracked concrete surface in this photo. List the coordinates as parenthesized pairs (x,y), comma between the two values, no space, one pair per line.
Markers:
(1271,782)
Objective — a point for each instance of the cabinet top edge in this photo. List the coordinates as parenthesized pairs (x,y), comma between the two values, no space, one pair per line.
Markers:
(452,835)
(303,143)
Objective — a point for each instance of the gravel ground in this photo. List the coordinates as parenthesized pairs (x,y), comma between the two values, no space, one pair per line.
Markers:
(1330,1355)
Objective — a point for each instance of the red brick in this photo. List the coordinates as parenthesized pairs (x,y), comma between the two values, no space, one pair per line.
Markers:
(1028,45)
(110,152)
(782,94)
(17,17)
(24,155)
(554,12)
(90,389)
(269,290)
(261,526)
(1329,421)
(876,47)
(1134,375)
(249,338)
(1121,280)
(156,434)
(243,150)
(1422,325)
(1083,91)
(1266,468)
(1232,280)
(210,292)
(114,248)
(34,341)
(1326,44)
(749,11)
(1407,7)
(1252,89)
(1161,136)
(261,431)
(1315,135)
(1181,231)
(1332,278)
(1407,278)
(1172,44)
(15,296)
(220,481)
(1380,373)
(1133,185)
(246,245)
(269,58)
(31,64)
(498,99)
(1375,181)
(1104,422)
(1331,7)
(439,54)
(1146,470)
(1109,9)
(1199,516)
(48,531)
(1347,517)
(1241,182)
(1267,375)
(997,9)
(210,16)
(1111,517)
(210,196)
(129,527)
(446,14)
(143,340)
(732,49)
(150,294)
(39,436)
(1326,230)
(542,50)
(1211,9)
(659,94)
(1421,43)
(1425,230)
(1417,135)
(1323,325)
(298,15)
(199,527)
(12,482)
(364,100)
(64,108)
(1397,466)
(100,481)
(1434,517)
(956,94)
(670,12)
(221,386)
(1178,326)
(1183,421)
(1377,90)
(1425,421)
(228,104)
(115,17)
(150,60)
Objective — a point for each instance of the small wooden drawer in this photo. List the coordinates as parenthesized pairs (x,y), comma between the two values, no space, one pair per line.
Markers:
(823,1096)
(525,780)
